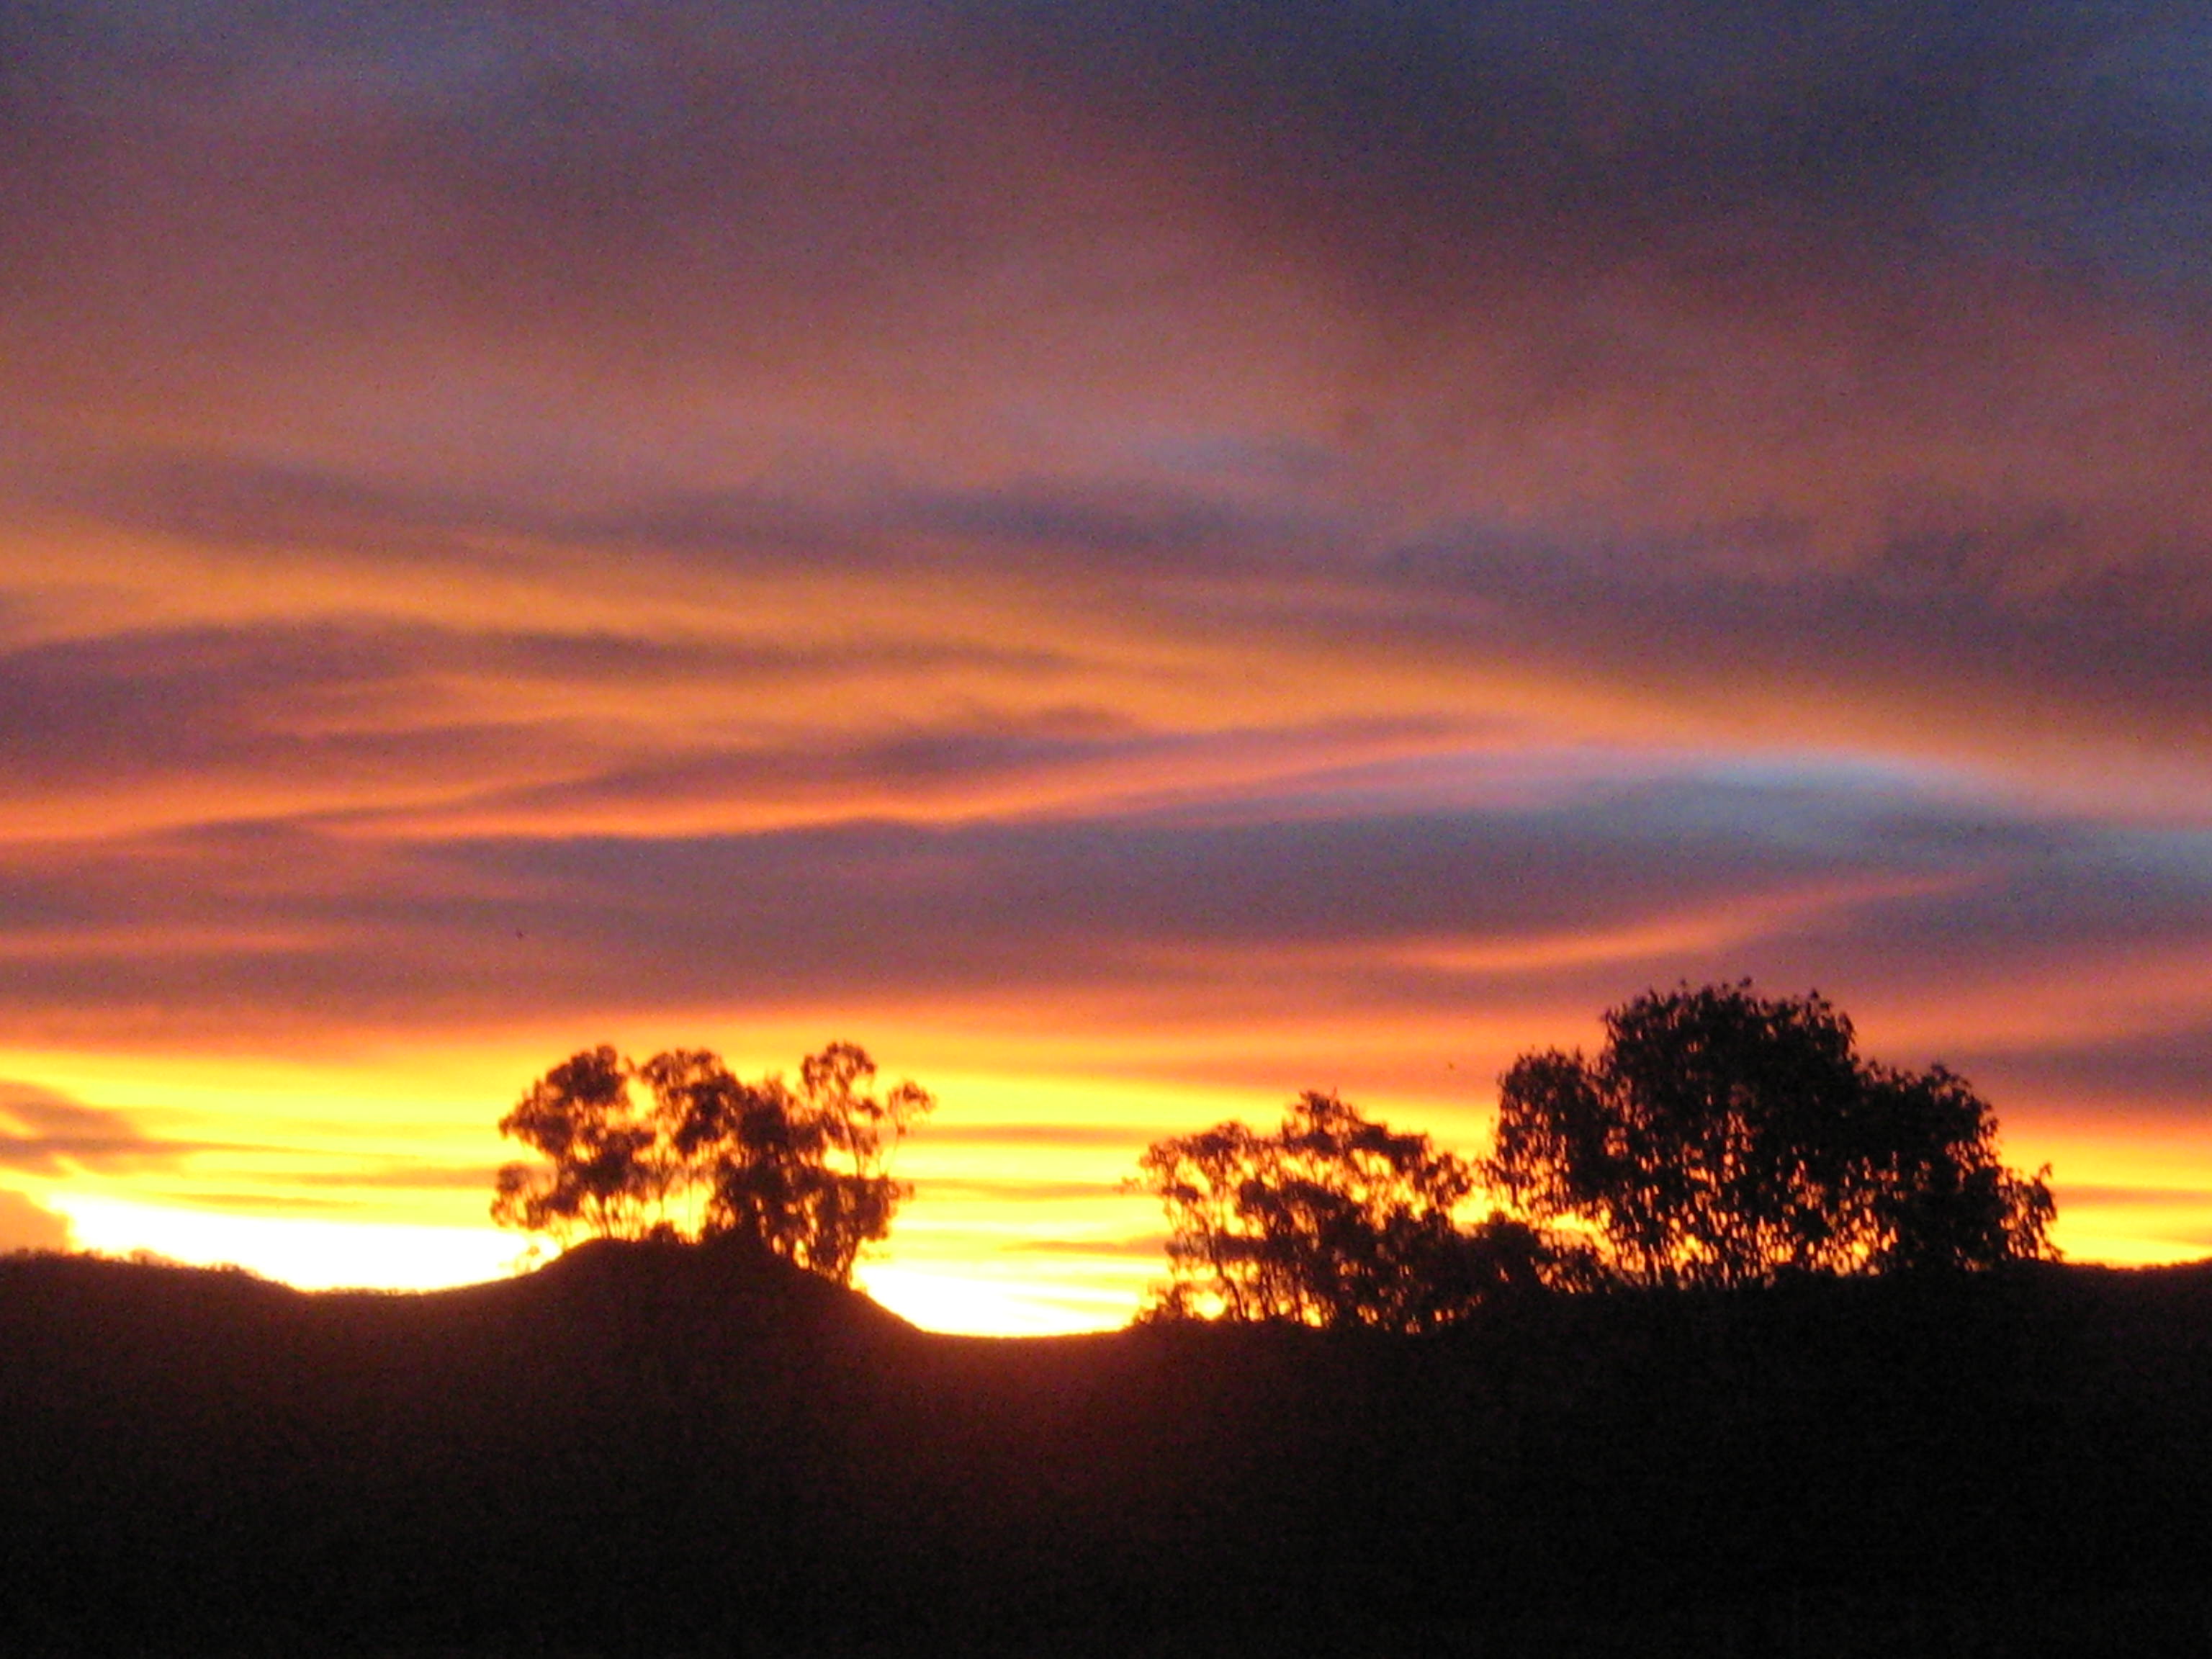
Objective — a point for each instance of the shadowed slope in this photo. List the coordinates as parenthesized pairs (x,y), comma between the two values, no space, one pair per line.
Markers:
(644,1447)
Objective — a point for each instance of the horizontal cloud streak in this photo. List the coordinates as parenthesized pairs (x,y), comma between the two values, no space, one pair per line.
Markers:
(1049,1136)
(1017,1190)
(2184,1197)
(43,1132)
(2167,1068)
(1582,897)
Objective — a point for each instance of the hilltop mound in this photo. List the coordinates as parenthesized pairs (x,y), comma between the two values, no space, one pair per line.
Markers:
(731,1278)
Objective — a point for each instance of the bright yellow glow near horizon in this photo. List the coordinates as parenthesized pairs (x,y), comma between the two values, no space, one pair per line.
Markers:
(311,1255)
(376,1174)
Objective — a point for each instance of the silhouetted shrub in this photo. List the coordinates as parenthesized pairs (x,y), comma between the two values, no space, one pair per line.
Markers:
(1723,1137)
(1334,1220)
(804,1171)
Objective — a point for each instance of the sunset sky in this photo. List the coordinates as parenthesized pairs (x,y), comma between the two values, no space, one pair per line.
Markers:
(1133,559)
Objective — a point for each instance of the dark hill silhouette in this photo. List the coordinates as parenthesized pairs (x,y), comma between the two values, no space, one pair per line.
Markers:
(655,1447)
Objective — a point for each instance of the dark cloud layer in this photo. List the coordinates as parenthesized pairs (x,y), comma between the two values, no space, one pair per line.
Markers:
(281,698)
(2157,1069)
(1742,362)
(637,124)
(513,167)
(1980,629)
(297,936)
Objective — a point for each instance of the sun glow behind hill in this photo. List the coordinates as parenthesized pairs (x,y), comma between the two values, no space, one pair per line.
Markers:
(379,1176)
(971,1295)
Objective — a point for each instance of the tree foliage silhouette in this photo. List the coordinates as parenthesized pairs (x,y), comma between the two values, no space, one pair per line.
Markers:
(804,1171)
(1724,1137)
(1334,1220)
(612,1167)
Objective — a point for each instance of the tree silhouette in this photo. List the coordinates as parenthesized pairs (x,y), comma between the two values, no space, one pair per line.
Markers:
(804,1172)
(1334,1220)
(1723,1137)
(611,1165)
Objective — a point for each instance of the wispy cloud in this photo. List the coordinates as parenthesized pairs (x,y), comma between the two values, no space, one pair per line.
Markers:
(2161,1071)
(43,1132)
(1570,901)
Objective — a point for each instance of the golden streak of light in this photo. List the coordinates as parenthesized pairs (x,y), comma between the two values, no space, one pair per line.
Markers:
(308,1253)
(973,1303)
(2120,1234)
(1685,935)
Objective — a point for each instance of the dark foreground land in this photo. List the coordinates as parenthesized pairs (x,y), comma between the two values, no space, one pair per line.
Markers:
(657,1450)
